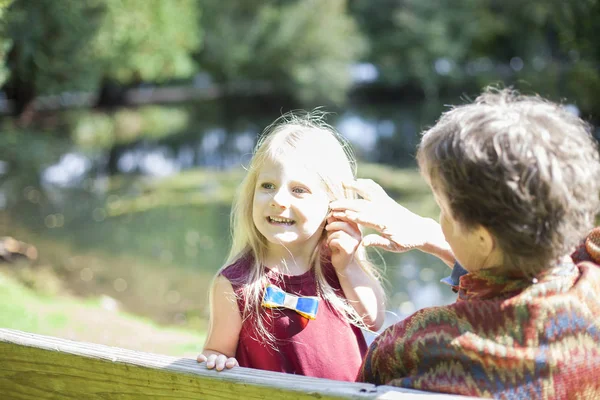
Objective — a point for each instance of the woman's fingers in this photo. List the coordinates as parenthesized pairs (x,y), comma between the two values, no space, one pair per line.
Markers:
(374,240)
(365,188)
(201,358)
(363,219)
(348,205)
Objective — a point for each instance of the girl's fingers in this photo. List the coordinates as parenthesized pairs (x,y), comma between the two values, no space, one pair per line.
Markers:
(337,225)
(220,363)
(343,242)
(211,361)
(344,231)
(217,361)
(231,362)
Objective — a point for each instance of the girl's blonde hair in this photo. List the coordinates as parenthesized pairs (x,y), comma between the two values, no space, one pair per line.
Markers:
(302,136)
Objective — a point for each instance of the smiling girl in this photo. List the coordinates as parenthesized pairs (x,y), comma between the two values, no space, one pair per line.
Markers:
(297,287)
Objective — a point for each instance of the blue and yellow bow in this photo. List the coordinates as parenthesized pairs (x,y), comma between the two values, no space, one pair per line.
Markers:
(274,297)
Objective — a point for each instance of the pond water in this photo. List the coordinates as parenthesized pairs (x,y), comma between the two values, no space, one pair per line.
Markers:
(147,222)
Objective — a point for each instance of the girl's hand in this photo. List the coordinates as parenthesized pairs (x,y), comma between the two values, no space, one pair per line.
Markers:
(217,360)
(224,326)
(343,238)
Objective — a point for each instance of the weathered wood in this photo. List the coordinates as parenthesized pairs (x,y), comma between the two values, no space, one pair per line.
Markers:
(42,367)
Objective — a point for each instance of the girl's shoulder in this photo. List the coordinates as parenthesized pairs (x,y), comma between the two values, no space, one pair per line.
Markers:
(330,274)
(238,272)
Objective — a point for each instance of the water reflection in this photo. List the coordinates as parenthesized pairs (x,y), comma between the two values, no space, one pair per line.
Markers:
(152,243)
(69,171)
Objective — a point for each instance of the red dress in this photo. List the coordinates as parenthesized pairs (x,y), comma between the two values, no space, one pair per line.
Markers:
(326,347)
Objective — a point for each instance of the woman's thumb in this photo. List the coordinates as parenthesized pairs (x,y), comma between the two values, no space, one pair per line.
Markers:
(374,240)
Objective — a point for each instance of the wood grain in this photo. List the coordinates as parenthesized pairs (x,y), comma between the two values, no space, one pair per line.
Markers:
(43,367)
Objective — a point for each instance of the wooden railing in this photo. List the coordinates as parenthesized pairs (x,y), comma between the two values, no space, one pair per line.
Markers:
(43,367)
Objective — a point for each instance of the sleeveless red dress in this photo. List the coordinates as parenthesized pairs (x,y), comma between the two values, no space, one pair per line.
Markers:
(326,347)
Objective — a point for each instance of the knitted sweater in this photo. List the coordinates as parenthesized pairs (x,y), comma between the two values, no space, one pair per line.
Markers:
(504,337)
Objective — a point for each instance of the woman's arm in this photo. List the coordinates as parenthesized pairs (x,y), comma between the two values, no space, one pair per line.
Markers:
(398,229)
(224,327)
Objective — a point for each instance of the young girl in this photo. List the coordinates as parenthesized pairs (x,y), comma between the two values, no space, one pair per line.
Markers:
(297,287)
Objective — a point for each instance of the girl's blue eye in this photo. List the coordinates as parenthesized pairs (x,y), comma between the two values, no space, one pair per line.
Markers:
(300,190)
(267,186)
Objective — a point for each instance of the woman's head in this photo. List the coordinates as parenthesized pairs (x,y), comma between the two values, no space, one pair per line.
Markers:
(523,168)
(297,168)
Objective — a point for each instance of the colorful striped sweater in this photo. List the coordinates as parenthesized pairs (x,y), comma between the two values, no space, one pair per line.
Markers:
(504,337)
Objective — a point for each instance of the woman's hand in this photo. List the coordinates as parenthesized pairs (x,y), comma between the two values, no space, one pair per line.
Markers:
(398,229)
(217,360)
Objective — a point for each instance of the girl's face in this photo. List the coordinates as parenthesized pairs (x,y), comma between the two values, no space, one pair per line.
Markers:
(289,207)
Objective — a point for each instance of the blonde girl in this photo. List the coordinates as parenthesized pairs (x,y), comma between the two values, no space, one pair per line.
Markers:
(297,287)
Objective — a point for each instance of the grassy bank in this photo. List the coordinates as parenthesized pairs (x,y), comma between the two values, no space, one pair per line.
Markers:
(96,320)
(147,247)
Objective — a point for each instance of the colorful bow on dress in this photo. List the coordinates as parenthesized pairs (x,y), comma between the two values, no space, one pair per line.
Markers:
(274,297)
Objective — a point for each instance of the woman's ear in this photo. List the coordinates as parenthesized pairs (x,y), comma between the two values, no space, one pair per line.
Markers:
(486,242)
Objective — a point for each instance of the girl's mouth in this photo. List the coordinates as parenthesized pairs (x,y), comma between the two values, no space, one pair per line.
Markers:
(280,221)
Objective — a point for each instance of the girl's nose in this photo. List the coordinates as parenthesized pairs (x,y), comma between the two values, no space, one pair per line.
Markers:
(280,200)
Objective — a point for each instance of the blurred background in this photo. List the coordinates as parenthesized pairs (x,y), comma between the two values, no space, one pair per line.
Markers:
(125,125)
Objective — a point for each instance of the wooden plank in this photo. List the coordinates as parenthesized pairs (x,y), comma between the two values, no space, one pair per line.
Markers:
(42,367)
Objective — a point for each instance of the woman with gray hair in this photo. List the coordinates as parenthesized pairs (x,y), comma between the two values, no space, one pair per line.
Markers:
(517,180)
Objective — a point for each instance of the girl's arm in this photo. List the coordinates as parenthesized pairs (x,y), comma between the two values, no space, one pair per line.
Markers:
(224,327)
(364,293)
(362,290)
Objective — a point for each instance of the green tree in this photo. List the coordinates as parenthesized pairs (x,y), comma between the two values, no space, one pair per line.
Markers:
(420,44)
(302,48)
(578,24)
(61,45)
(540,46)
(148,40)
(48,47)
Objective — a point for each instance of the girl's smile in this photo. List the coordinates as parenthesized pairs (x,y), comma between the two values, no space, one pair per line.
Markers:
(289,206)
(280,221)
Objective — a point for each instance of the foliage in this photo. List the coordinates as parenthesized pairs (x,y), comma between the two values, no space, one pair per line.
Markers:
(541,46)
(303,48)
(100,130)
(4,42)
(49,43)
(408,38)
(148,40)
(52,46)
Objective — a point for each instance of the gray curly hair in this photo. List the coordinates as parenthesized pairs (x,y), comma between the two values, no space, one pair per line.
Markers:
(523,167)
